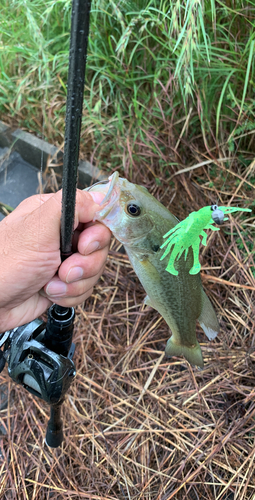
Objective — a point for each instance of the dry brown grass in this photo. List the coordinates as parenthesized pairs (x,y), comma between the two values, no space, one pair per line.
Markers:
(137,425)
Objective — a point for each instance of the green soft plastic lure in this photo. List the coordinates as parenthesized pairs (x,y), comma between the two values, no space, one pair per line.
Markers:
(187,234)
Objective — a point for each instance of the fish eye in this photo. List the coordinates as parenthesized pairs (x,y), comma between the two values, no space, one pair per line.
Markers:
(214,207)
(133,209)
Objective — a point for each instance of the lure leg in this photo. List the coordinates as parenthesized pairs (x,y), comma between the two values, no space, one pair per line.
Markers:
(170,266)
(212,227)
(203,233)
(196,266)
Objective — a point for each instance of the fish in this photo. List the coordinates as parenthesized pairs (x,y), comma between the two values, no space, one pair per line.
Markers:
(139,222)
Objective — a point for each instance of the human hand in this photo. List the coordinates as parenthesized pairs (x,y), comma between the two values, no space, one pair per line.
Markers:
(31,274)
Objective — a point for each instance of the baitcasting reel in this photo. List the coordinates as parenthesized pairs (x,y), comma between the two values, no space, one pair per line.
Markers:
(39,357)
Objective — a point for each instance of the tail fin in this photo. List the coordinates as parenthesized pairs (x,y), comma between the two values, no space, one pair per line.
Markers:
(192,354)
(208,319)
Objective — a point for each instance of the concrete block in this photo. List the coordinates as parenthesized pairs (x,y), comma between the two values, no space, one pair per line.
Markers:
(22,155)
(5,135)
(36,151)
(88,174)
(18,180)
(4,155)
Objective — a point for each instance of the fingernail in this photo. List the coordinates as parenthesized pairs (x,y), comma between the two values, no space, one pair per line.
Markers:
(74,274)
(56,288)
(92,247)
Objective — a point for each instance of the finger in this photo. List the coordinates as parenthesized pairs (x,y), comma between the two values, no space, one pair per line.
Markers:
(29,310)
(75,239)
(49,214)
(33,202)
(87,204)
(78,267)
(93,238)
(58,289)
(73,301)
(50,207)
(29,205)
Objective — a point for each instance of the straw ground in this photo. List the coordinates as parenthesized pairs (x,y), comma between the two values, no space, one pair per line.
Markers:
(139,425)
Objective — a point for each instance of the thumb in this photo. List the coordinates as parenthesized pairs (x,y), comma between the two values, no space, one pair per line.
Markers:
(47,217)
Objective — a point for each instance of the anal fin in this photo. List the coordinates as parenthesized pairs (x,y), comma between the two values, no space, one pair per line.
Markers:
(208,319)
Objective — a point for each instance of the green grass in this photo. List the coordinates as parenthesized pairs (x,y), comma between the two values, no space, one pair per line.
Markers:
(150,63)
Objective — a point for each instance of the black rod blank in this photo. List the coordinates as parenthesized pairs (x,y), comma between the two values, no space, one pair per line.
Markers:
(74,103)
(54,435)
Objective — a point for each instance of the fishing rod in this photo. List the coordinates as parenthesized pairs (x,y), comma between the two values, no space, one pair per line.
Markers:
(39,354)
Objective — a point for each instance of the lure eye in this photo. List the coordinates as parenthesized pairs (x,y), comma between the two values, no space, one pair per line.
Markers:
(214,207)
(133,209)
(218,216)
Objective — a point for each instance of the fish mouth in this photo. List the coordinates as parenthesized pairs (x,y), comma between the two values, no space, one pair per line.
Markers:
(111,191)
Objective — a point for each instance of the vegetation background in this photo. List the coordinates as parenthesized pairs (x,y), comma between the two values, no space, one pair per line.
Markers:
(169,102)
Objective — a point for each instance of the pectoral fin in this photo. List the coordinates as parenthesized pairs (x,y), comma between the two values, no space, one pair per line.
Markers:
(192,354)
(208,319)
(147,301)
